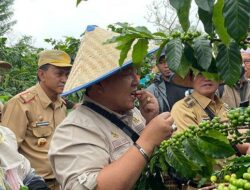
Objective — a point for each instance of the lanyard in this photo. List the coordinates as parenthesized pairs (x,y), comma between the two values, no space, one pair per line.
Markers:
(211,116)
(114,119)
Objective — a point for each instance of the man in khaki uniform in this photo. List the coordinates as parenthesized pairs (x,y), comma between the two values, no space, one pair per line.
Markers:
(202,104)
(34,114)
(104,144)
(191,110)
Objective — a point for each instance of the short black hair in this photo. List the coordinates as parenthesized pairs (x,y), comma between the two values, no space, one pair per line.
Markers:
(160,59)
(44,68)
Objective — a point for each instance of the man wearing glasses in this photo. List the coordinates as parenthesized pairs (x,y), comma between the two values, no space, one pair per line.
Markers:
(239,94)
(246,62)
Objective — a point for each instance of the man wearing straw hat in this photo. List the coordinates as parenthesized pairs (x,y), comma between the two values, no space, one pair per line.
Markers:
(103,143)
(13,165)
(34,114)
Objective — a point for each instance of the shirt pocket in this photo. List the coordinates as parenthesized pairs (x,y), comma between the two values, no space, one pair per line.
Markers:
(119,147)
(42,129)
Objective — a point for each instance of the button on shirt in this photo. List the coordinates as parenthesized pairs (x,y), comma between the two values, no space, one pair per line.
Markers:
(85,142)
(33,117)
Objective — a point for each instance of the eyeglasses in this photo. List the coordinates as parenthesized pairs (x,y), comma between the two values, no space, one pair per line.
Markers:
(246,61)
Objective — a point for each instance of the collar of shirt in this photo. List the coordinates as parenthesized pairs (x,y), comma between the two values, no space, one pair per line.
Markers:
(205,101)
(240,84)
(45,100)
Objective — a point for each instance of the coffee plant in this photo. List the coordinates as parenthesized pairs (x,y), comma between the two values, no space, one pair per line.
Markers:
(192,154)
(235,175)
(214,52)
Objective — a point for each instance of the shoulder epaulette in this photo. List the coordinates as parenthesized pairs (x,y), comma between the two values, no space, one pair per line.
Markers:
(64,101)
(226,106)
(189,101)
(27,97)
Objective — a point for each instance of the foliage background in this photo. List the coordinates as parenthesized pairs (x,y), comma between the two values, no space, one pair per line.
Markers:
(175,30)
(23,58)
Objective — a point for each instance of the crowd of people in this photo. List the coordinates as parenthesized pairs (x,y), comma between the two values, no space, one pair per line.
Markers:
(105,142)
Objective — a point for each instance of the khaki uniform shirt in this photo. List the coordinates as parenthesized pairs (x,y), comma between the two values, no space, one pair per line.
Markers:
(85,142)
(231,95)
(33,117)
(190,110)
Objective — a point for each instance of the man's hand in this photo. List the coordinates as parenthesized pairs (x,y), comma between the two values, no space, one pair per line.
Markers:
(148,104)
(244,148)
(158,129)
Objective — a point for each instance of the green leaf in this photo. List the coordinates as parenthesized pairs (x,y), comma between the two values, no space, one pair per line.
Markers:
(177,4)
(124,51)
(242,161)
(141,182)
(144,31)
(152,163)
(211,76)
(180,163)
(122,39)
(206,19)
(229,63)
(79,1)
(213,68)
(160,34)
(203,181)
(208,169)
(163,164)
(183,15)
(139,51)
(217,135)
(193,153)
(184,67)
(203,52)
(237,18)
(189,54)
(215,145)
(24,187)
(174,53)
(3,40)
(161,49)
(218,21)
(204,4)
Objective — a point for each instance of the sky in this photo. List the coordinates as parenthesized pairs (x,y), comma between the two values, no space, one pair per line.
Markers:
(59,18)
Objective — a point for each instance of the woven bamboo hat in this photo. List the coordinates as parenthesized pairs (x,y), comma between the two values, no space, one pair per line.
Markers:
(95,60)
(5,65)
